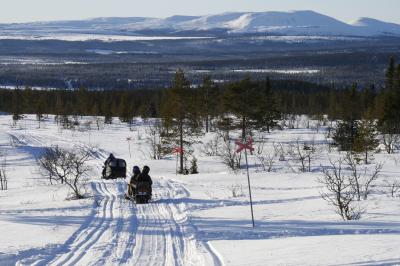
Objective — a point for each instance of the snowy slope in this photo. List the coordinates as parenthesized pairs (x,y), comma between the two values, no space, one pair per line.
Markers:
(279,23)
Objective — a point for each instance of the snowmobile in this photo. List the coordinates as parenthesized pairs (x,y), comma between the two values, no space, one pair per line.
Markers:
(143,193)
(114,169)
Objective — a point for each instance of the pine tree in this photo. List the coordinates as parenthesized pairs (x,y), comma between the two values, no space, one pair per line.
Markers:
(205,92)
(348,129)
(26,103)
(389,122)
(390,74)
(180,114)
(267,112)
(40,108)
(17,100)
(125,110)
(82,102)
(59,107)
(106,110)
(366,140)
(345,135)
(397,78)
(240,99)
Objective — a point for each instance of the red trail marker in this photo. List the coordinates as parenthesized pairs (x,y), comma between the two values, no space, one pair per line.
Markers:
(247,146)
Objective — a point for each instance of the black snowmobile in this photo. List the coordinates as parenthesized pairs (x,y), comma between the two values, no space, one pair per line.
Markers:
(114,169)
(143,192)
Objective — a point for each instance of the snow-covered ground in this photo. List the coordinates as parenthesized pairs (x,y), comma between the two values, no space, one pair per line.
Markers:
(195,219)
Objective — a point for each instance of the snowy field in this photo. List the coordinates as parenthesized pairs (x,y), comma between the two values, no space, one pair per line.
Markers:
(199,219)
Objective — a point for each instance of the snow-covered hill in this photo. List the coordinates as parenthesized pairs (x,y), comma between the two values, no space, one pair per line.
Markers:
(277,23)
(199,220)
(377,27)
(299,22)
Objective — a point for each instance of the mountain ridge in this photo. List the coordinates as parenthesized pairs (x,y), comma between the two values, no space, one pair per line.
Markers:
(303,22)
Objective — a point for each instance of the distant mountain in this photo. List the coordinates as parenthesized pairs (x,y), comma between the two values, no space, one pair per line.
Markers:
(377,27)
(299,22)
(307,23)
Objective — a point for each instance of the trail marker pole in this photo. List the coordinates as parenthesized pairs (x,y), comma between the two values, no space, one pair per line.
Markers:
(177,151)
(176,165)
(247,146)
(128,139)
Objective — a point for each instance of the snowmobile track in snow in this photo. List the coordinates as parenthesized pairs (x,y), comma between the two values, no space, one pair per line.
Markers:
(119,232)
(88,236)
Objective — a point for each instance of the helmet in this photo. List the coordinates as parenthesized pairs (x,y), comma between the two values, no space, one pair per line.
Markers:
(146,169)
(136,170)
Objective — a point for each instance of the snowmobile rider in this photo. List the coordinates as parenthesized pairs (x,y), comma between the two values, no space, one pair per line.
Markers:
(109,159)
(144,177)
(132,182)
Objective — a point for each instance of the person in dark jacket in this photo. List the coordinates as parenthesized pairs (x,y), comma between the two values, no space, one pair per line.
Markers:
(144,177)
(132,182)
(109,159)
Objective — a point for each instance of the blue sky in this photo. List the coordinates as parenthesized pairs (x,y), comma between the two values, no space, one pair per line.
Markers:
(36,10)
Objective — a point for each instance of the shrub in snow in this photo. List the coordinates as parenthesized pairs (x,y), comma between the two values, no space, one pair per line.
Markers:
(266,160)
(3,172)
(237,191)
(193,166)
(362,178)
(279,151)
(66,167)
(339,191)
(159,146)
(391,142)
(302,153)
(392,187)
(212,146)
(228,153)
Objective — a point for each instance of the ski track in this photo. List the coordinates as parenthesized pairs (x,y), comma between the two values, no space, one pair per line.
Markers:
(118,232)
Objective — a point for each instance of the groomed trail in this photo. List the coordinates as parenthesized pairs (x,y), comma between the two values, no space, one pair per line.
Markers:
(119,232)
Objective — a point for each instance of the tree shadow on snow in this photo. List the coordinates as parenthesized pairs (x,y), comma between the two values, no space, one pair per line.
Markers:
(206,204)
(209,229)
